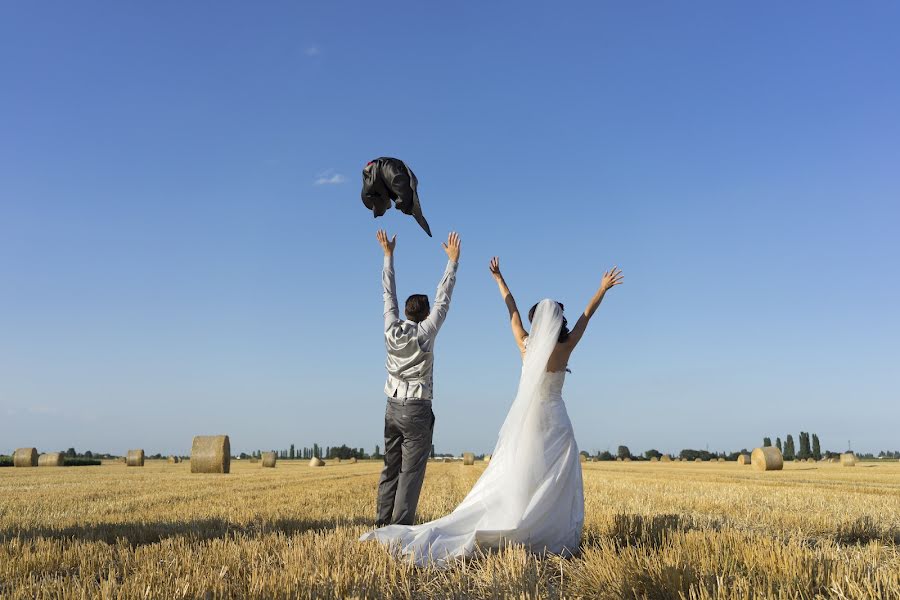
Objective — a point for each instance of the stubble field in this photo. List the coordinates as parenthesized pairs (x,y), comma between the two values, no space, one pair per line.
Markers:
(652,530)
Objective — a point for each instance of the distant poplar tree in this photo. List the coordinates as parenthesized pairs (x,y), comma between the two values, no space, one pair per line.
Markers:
(789,452)
(816,449)
(623,452)
(805,451)
(778,444)
(767,441)
(292,455)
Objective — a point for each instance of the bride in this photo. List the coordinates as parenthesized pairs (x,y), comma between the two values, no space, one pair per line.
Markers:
(531,491)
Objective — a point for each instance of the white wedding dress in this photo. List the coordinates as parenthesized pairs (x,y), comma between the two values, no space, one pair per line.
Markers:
(531,491)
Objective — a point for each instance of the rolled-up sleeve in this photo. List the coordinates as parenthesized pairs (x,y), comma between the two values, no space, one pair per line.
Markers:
(429,328)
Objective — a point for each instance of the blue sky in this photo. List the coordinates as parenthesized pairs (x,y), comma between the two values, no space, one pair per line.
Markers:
(183,249)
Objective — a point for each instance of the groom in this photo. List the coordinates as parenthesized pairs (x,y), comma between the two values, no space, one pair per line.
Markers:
(408,419)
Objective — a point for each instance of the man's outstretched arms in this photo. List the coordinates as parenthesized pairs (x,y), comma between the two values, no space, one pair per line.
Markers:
(430,326)
(391,313)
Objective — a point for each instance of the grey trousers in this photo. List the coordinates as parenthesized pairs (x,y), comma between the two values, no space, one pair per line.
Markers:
(408,429)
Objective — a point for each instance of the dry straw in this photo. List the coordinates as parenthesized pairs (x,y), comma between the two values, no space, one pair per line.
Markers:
(211,454)
(135,458)
(767,458)
(269,459)
(468,458)
(743,459)
(316,462)
(848,459)
(25,457)
(51,459)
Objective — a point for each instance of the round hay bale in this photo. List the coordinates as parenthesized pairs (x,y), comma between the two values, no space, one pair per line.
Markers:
(654,459)
(316,462)
(468,458)
(338,460)
(848,459)
(269,459)
(487,458)
(446,460)
(721,459)
(626,459)
(618,459)
(253,461)
(25,457)
(135,458)
(51,459)
(211,454)
(767,458)
(665,458)
(698,459)
(174,460)
(743,459)
(352,461)
(582,458)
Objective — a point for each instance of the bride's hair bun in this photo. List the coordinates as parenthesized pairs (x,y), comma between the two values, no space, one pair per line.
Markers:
(563,331)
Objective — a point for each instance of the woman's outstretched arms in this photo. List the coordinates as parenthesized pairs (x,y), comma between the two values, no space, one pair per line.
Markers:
(515,320)
(611,278)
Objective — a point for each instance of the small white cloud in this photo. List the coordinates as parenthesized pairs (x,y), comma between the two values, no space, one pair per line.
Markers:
(329,177)
(312,51)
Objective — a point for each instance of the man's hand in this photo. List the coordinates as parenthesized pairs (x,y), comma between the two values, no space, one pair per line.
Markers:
(495,268)
(386,244)
(452,246)
(611,278)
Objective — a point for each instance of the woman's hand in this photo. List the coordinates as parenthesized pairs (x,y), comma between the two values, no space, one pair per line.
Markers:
(386,244)
(611,278)
(495,268)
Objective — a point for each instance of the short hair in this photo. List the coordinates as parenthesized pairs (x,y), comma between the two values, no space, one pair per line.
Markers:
(417,308)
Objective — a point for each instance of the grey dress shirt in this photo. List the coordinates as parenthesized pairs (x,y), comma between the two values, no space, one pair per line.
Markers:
(410,346)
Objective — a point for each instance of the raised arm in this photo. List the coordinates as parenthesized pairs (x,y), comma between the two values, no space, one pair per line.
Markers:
(391,313)
(515,320)
(611,278)
(432,324)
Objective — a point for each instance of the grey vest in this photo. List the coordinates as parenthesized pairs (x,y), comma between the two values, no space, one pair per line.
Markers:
(409,367)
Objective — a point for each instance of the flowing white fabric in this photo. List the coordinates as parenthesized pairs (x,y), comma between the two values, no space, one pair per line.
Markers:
(531,491)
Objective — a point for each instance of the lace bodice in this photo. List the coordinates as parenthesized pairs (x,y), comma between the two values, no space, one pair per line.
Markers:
(553,384)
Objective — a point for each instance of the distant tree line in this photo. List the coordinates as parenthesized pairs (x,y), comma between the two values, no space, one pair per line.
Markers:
(809,447)
(328,452)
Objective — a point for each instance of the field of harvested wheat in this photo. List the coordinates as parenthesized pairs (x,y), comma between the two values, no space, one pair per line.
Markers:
(652,530)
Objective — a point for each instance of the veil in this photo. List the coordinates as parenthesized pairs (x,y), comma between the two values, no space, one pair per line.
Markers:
(517,464)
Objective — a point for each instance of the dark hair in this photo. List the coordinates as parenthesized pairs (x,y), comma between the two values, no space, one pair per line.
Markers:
(417,308)
(564,330)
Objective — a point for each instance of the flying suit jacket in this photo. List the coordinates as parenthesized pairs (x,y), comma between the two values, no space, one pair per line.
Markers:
(388,179)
